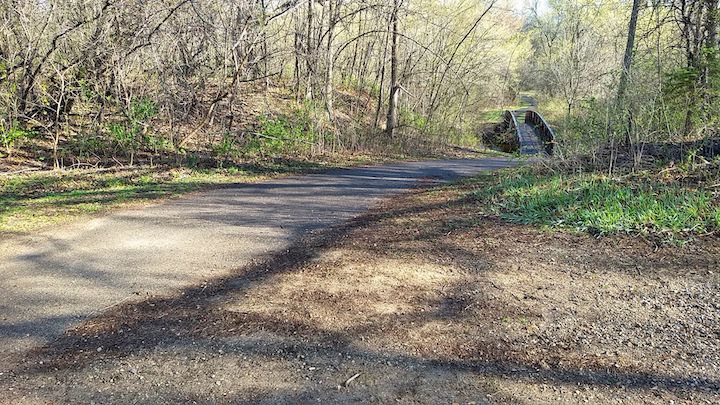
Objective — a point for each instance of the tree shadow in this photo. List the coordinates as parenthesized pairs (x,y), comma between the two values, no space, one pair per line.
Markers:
(197,317)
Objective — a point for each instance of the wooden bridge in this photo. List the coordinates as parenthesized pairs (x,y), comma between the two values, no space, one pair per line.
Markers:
(534,134)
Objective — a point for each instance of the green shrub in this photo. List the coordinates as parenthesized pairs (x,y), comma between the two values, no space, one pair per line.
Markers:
(192,160)
(412,119)
(86,146)
(158,143)
(123,135)
(127,133)
(11,136)
(463,138)
(226,148)
(282,135)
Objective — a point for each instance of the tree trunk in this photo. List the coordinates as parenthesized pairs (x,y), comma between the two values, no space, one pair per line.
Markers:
(710,49)
(627,65)
(394,85)
(298,51)
(692,31)
(329,58)
(380,80)
(629,50)
(309,52)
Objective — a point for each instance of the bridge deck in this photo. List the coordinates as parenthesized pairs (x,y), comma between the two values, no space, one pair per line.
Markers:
(529,142)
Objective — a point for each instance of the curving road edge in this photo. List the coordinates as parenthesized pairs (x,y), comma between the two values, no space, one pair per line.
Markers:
(53,280)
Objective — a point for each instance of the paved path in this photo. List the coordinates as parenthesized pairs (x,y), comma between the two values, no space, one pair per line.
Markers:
(57,278)
(528,101)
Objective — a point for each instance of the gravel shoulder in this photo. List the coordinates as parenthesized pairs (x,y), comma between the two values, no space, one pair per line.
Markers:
(421,300)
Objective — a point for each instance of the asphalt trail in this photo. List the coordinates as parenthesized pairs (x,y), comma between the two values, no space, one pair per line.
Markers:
(55,279)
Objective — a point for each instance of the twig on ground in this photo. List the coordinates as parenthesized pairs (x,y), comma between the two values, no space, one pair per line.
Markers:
(351,379)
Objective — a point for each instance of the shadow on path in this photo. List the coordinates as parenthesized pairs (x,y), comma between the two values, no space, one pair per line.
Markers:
(196,319)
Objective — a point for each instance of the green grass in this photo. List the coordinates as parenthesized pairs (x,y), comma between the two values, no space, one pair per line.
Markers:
(599,205)
(493,116)
(496,115)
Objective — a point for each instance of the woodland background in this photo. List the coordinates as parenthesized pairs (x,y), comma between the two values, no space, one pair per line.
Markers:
(111,82)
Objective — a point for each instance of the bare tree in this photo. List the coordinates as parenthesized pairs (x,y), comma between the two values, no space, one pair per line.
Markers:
(394,84)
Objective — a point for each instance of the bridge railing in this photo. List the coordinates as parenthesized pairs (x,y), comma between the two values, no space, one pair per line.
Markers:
(545,133)
(510,121)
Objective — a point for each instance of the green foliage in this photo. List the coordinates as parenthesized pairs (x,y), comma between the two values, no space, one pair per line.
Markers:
(463,138)
(413,119)
(137,119)
(11,136)
(192,160)
(374,90)
(684,90)
(88,145)
(158,143)
(85,90)
(275,133)
(686,165)
(226,148)
(602,205)
(587,127)
(283,134)
(680,85)
(123,135)
(142,111)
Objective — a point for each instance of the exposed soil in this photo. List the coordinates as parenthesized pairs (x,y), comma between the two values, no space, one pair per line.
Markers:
(421,301)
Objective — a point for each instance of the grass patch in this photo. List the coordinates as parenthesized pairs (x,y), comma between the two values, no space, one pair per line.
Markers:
(599,205)
(496,115)
(493,116)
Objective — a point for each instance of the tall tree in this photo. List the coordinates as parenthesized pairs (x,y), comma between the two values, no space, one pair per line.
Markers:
(629,50)
(333,15)
(626,66)
(392,118)
(711,49)
(309,51)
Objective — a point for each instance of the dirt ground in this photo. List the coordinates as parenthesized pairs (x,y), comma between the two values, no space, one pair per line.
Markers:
(420,301)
